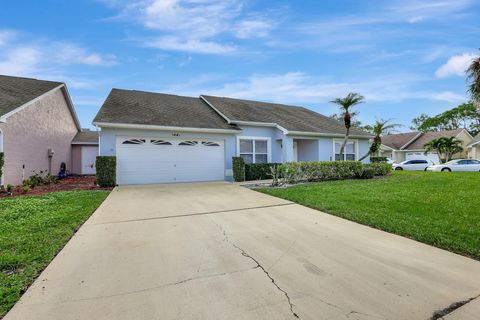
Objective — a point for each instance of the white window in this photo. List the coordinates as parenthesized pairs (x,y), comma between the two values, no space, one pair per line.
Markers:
(253,150)
(350,152)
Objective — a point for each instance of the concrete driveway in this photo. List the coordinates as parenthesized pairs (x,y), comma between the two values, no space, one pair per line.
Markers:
(220,251)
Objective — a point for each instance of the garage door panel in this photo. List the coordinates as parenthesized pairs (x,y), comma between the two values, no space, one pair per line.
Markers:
(152,160)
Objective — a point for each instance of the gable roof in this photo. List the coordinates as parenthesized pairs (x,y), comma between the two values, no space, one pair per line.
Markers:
(475,141)
(293,119)
(416,140)
(132,107)
(16,91)
(86,137)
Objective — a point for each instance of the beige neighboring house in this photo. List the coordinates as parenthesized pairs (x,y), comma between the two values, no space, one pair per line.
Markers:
(37,125)
(473,148)
(410,145)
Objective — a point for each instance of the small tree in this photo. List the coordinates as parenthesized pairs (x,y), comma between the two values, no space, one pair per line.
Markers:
(473,76)
(345,105)
(445,147)
(380,128)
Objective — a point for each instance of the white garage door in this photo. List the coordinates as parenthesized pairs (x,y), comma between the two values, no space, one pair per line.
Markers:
(159,160)
(422,156)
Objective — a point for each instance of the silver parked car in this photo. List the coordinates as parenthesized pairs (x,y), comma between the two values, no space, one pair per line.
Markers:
(414,165)
(465,165)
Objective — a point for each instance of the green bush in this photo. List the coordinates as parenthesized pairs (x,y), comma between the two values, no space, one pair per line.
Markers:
(259,171)
(378,159)
(366,173)
(1,164)
(380,169)
(106,171)
(294,172)
(238,166)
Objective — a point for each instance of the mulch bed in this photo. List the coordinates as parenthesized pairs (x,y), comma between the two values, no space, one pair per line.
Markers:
(68,184)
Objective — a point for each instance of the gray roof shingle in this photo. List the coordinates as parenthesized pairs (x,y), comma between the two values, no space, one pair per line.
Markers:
(149,108)
(86,136)
(415,140)
(292,118)
(16,91)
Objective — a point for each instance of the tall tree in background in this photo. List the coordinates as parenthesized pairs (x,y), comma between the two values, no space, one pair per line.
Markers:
(445,147)
(473,76)
(465,116)
(345,105)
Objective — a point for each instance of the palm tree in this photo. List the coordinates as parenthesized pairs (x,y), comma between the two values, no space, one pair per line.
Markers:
(445,147)
(473,75)
(380,128)
(345,105)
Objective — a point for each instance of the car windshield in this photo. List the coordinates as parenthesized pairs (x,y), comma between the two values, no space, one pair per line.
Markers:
(452,162)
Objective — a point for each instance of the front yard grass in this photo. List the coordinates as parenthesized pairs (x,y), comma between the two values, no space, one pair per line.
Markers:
(441,209)
(32,231)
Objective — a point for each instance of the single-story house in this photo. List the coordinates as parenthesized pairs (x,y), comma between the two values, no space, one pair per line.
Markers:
(410,145)
(473,148)
(161,138)
(37,125)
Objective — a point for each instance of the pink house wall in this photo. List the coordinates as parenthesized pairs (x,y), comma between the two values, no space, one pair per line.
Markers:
(28,134)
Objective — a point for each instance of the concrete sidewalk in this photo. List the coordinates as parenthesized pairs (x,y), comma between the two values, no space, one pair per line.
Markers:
(220,251)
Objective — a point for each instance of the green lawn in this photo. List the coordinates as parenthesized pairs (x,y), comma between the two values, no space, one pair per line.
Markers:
(441,209)
(32,231)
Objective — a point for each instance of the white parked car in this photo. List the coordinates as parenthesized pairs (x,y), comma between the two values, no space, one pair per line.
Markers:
(457,165)
(390,161)
(414,165)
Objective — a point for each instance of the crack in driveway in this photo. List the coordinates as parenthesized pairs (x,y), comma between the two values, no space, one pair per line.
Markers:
(154,287)
(439,314)
(245,254)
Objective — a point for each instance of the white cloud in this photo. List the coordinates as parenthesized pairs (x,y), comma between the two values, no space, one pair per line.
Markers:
(253,28)
(455,66)
(189,45)
(22,56)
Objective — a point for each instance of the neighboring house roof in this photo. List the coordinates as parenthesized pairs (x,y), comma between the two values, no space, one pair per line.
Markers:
(291,118)
(397,141)
(416,140)
(475,141)
(18,92)
(86,137)
(133,107)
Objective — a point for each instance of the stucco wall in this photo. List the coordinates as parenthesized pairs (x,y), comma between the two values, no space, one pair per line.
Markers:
(466,138)
(29,133)
(474,152)
(307,150)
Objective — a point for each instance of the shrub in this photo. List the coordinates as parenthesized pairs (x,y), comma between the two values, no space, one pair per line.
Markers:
(294,172)
(259,171)
(1,164)
(366,172)
(378,159)
(9,188)
(106,171)
(380,169)
(238,166)
(25,189)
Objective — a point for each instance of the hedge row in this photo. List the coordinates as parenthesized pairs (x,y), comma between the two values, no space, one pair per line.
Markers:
(378,159)
(238,167)
(1,165)
(295,172)
(259,171)
(106,167)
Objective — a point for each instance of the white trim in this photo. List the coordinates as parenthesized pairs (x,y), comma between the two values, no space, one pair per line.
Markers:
(162,128)
(387,147)
(269,146)
(473,144)
(85,143)
(411,140)
(344,153)
(29,103)
(318,134)
(215,109)
(260,124)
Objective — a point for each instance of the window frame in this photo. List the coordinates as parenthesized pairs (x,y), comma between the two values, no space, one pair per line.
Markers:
(354,141)
(254,153)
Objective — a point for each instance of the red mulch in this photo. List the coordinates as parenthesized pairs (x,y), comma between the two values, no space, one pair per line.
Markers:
(67,184)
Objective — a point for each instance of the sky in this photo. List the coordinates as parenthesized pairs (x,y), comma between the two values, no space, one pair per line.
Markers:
(406,57)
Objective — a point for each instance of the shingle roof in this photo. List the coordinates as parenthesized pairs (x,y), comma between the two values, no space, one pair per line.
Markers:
(292,118)
(86,136)
(148,108)
(419,143)
(16,91)
(396,141)
(475,140)
(415,140)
